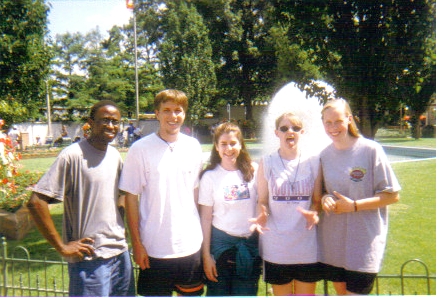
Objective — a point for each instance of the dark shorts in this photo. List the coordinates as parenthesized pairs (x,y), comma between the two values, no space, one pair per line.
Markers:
(281,274)
(183,275)
(356,282)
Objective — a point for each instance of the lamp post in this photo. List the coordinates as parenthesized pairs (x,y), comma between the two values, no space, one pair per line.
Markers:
(49,119)
(131,5)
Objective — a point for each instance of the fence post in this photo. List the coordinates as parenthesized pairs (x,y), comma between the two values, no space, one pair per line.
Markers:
(5,270)
(426,270)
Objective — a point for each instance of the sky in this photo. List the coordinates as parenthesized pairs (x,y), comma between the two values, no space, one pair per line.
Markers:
(85,15)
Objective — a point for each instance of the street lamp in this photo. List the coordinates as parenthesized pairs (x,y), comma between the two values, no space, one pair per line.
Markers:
(49,119)
(131,5)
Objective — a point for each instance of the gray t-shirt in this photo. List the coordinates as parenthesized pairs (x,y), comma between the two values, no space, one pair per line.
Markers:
(356,240)
(85,179)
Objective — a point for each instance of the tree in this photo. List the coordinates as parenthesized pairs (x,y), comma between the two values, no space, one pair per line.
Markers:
(185,57)
(246,62)
(415,34)
(24,58)
(357,48)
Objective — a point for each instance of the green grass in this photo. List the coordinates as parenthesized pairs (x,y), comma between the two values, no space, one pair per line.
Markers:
(412,227)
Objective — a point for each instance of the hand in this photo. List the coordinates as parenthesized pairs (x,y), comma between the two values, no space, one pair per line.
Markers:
(210,268)
(328,204)
(311,217)
(78,249)
(260,222)
(141,257)
(343,204)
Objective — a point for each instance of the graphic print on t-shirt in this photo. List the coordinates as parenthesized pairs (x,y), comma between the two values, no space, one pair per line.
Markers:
(236,192)
(286,191)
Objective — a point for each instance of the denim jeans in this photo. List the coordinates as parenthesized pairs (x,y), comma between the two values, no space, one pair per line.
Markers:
(102,277)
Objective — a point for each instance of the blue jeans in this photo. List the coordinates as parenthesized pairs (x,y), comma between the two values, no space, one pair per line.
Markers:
(102,277)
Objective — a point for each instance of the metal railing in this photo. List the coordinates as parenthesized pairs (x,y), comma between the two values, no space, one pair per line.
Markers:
(22,276)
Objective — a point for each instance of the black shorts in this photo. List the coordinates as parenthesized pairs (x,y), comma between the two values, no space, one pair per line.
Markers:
(183,275)
(281,274)
(356,282)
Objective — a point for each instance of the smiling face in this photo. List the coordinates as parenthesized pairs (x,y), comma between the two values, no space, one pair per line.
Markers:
(171,116)
(289,138)
(104,126)
(336,123)
(228,146)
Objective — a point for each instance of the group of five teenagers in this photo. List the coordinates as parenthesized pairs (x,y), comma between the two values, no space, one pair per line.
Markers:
(161,179)
(227,200)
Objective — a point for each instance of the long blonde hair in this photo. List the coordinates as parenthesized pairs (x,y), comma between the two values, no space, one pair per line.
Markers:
(352,127)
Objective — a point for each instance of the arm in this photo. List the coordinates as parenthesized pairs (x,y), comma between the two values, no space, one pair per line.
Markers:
(133,220)
(379,200)
(312,216)
(39,210)
(260,222)
(208,261)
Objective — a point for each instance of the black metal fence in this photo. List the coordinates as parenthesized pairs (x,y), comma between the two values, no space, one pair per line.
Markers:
(22,276)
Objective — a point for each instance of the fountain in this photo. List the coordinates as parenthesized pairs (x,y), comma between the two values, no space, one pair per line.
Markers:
(291,99)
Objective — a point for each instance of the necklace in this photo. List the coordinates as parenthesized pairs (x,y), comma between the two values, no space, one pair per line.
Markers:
(285,168)
(170,146)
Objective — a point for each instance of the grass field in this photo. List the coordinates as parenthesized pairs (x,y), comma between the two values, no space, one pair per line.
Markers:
(412,228)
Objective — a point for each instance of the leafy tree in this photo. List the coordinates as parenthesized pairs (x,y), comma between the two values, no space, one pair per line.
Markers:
(247,62)
(185,57)
(24,58)
(356,46)
(415,76)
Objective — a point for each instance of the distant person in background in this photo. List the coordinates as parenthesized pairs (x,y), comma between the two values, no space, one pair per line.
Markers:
(130,133)
(85,178)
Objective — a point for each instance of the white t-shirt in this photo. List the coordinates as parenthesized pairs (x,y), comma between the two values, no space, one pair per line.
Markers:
(233,199)
(165,177)
(291,185)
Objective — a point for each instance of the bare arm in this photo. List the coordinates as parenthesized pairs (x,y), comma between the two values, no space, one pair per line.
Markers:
(260,222)
(208,262)
(39,210)
(133,221)
(379,200)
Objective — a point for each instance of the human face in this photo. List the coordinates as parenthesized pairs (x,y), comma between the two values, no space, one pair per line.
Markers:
(288,138)
(105,125)
(336,123)
(171,116)
(228,147)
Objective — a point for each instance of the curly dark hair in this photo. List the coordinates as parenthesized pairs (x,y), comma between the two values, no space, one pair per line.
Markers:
(244,162)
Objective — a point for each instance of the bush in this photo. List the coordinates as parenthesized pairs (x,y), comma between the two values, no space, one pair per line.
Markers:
(428,131)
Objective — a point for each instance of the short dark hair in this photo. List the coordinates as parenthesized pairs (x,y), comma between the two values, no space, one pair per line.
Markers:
(100,104)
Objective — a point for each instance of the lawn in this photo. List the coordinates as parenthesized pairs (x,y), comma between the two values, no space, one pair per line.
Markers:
(412,228)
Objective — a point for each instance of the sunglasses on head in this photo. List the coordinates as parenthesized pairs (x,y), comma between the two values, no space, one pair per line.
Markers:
(293,128)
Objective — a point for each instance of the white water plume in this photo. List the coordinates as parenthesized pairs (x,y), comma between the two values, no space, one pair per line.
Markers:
(291,99)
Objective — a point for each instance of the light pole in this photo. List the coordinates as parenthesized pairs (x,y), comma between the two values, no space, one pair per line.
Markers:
(49,119)
(130,4)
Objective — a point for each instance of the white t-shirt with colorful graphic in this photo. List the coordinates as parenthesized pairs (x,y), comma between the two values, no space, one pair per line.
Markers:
(233,199)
